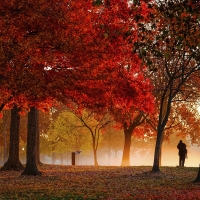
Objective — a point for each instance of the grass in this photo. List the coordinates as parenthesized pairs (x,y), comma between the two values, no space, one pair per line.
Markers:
(107,183)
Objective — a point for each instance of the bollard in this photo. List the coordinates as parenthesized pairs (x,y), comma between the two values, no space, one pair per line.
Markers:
(73,158)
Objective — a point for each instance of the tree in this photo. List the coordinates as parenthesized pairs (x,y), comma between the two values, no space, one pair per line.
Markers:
(34,58)
(190,121)
(85,65)
(21,40)
(94,124)
(66,134)
(31,162)
(13,162)
(67,60)
(38,140)
(128,132)
(173,58)
(4,137)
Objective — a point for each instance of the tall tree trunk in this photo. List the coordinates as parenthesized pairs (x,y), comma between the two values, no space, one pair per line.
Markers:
(38,140)
(160,156)
(127,147)
(31,164)
(165,107)
(95,144)
(157,153)
(95,158)
(5,140)
(13,162)
(6,115)
(128,130)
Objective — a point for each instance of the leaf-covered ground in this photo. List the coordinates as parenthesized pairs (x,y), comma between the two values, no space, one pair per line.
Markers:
(107,183)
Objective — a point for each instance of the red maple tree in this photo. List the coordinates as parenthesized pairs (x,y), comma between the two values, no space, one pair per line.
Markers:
(51,53)
(74,52)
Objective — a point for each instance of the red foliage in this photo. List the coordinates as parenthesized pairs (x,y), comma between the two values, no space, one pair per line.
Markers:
(72,51)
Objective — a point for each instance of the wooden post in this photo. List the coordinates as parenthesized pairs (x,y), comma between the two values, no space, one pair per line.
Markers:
(73,158)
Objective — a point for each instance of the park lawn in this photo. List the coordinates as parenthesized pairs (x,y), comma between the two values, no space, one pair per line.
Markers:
(103,182)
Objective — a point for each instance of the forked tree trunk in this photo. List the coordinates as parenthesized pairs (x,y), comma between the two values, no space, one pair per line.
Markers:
(31,164)
(128,130)
(13,162)
(127,147)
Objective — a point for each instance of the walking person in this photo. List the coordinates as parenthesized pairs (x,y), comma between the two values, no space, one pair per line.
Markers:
(182,153)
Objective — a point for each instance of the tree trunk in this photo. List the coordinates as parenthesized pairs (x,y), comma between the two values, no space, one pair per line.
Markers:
(128,130)
(13,162)
(94,151)
(127,146)
(95,158)
(38,140)
(6,115)
(160,156)
(5,140)
(31,165)
(157,153)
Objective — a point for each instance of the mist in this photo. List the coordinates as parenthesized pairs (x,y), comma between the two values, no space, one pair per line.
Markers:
(141,157)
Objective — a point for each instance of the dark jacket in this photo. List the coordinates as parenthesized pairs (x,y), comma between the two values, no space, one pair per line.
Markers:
(182,149)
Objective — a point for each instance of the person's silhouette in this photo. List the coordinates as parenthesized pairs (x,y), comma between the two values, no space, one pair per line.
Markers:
(182,153)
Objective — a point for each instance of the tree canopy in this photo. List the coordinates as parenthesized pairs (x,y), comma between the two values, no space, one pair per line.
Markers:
(72,52)
(172,54)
